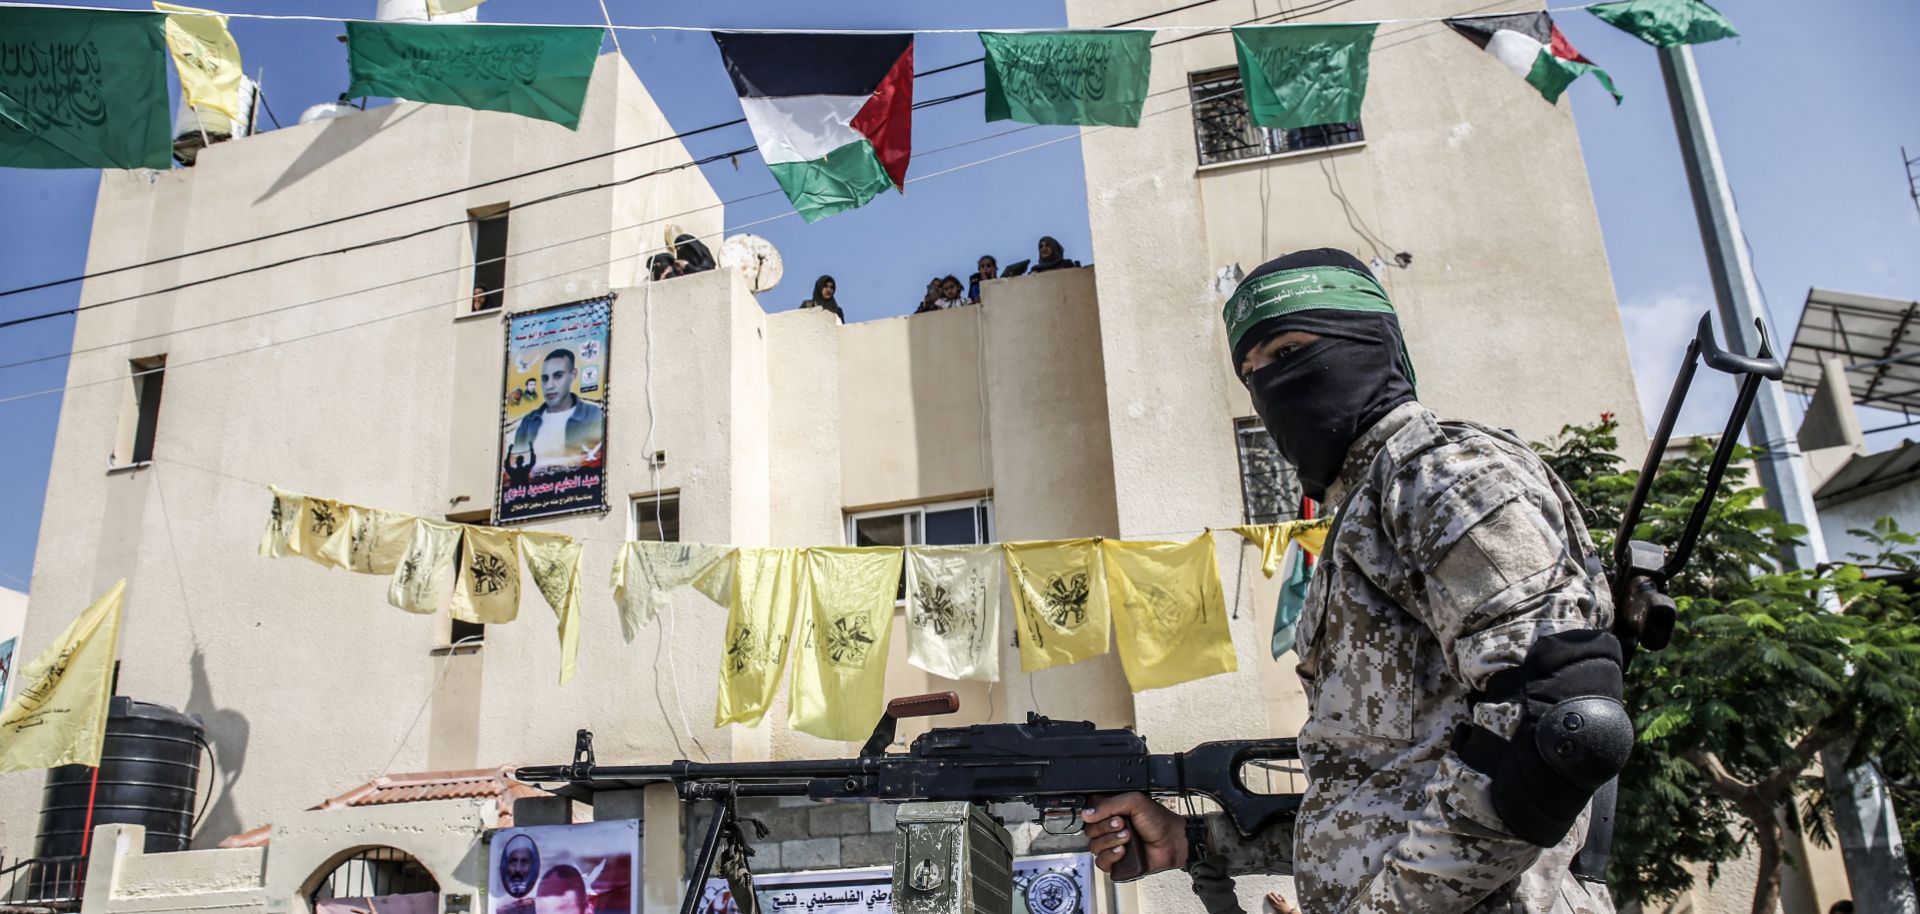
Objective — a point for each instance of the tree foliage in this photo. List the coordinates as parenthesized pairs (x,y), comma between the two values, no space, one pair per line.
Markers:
(1768,668)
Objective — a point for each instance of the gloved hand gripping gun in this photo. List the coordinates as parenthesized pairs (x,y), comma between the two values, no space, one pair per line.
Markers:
(1058,766)
(1643,614)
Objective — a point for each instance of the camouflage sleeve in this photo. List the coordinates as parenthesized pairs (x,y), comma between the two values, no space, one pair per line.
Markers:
(1270,851)
(1489,571)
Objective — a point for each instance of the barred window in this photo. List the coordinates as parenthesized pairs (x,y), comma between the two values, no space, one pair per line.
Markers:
(1223,129)
(1269,487)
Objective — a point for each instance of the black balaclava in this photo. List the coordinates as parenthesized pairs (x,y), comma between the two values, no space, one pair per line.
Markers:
(1319,398)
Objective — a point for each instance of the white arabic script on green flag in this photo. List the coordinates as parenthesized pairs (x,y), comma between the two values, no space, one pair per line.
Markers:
(83,89)
(1304,75)
(536,71)
(1088,78)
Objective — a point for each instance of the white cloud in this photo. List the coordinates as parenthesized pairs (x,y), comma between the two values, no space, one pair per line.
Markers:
(1658,330)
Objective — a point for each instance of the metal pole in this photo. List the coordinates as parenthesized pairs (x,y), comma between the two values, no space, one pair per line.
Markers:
(1869,840)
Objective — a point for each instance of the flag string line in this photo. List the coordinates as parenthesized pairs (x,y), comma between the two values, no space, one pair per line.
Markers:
(684,134)
(445,303)
(1320,6)
(301,17)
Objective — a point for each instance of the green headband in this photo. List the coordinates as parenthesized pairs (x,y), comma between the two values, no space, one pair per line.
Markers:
(1301,289)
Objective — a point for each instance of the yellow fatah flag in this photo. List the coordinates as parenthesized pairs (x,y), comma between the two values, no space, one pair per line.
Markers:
(282,536)
(59,711)
(487,588)
(647,572)
(371,541)
(443,7)
(840,660)
(323,529)
(1060,600)
(1273,539)
(420,580)
(207,59)
(761,589)
(1169,616)
(553,559)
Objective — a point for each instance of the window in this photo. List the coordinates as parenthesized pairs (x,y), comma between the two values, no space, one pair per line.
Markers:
(468,632)
(1269,488)
(959,523)
(140,411)
(1223,129)
(489,261)
(654,516)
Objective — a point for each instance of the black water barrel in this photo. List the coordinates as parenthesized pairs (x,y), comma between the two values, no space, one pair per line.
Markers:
(149,770)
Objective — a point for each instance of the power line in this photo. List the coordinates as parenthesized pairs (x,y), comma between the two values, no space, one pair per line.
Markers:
(567,272)
(52,283)
(1320,6)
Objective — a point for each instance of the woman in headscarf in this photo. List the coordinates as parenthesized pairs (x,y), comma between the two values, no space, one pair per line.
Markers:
(662,266)
(1052,257)
(823,289)
(692,255)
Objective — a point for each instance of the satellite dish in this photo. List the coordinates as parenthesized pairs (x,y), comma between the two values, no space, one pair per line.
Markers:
(755,259)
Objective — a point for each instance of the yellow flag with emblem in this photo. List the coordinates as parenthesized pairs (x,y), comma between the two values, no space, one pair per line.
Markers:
(761,589)
(554,561)
(1059,599)
(486,583)
(1169,615)
(207,59)
(58,715)
(282,536)
(1273,539)
(840,655)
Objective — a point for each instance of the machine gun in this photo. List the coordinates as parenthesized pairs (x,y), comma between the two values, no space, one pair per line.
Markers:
(1643,613)
(1058,766)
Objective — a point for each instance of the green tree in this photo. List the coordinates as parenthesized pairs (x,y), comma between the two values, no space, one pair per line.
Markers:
(1761,677)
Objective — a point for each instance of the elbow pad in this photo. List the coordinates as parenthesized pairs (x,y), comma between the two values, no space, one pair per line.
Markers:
(1574,734)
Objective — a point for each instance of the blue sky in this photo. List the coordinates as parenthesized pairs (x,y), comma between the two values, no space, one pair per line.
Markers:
(1811,115)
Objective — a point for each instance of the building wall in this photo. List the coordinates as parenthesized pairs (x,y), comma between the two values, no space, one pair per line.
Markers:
(1902,503)
(388,392)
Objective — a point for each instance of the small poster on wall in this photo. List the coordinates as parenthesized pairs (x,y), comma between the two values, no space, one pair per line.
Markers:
(553,412)
(565,869)
(6,667)
(1050,884)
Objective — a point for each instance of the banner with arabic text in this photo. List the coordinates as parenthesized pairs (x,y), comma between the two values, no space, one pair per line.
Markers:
(553,412)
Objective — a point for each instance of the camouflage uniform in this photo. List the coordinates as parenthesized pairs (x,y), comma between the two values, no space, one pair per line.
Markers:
(1455,549)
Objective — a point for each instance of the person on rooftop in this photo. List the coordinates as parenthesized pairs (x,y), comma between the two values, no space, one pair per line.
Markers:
(951,294)
(931,300)
(692,255)
(1052,257)
(823,289)
(987,268)
(663,266)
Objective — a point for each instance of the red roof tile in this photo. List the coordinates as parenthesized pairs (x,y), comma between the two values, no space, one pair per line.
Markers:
(419,787)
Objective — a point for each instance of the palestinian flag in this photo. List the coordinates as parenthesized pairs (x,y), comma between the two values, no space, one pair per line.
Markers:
(832,113)
(1533,48)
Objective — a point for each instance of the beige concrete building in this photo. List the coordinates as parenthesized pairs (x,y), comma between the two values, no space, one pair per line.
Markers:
(1075,403)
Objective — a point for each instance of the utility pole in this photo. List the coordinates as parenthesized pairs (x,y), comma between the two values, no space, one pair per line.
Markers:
(1863,813)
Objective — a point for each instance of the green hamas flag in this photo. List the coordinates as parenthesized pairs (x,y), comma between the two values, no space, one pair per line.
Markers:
(1304,75)
(1666,23)
(1068,77)
(536,71)
(83,89)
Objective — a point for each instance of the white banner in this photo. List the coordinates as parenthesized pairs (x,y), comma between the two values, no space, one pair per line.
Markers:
(1050,884)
